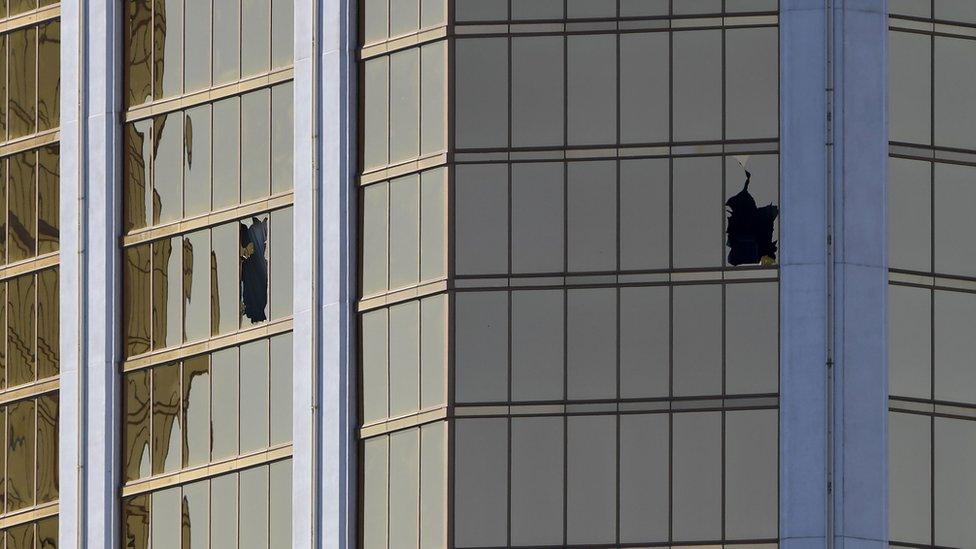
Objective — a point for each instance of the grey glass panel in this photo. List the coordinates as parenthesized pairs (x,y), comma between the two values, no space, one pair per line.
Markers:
(480,482)
(432,13)
(197,161)
(281,509)
(591,469)
(592,343)
(167,448)
(404,489)
(404,105)
(915,8)
(909,85)
(697,84)
(698,212)
(254,508)
(196,410)
(226,153)
(481,10)
(955,92)
(955,486)
(644,478)
(376,16)
(375,238)
(168,168)
(645,93)
(166,518)
(404,231)
(376,114)
(751,462)
(909,214)
(167,292)
(537,217)
(592,91)
(282,32)
(433,98)
(592,211)
(224,263)
(404,16)
(433,485)
(227,41)
(481,346)
(751,338)
(168,48)
(256,36)
(255,393)
(697,318)
(909,478)
(196,515)
(537,9)
(955,10)
(282,262)
(376,464)
(223,509)
(198,36)
(404,358)
(226,402)
(697,476)
(282,137)
(255,144)
(537,90)
(20,455)
(631,8)
(751,83)
(433,351)
(433,224)
(376,368)
(537,345)
(481,219)
(591,8)
(281,389)
(955,251)
(644,342)
(697,6)
(645,212)
(537,481)
(910,341)
(481,91)
(196,285)
(955,378)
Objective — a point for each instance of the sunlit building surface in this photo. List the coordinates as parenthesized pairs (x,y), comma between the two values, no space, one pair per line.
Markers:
(487,274)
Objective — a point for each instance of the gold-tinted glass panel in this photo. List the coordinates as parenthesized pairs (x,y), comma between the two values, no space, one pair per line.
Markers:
(20,455)
(48,206)
(167,292)
(49,76)
(135,522)
(48,323)
(167,48)
(47,448)
(166,447)
(136,186)
(136,293)
(22,206)
(22,86)
(20,330)
(21,537)
(196,410)
(135,429)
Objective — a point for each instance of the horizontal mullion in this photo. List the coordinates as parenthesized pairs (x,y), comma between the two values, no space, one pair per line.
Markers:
(30,18)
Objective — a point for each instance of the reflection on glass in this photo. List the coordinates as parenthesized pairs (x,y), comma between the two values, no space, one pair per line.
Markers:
(20,331)
(136,196)
(20,455)
(135,429)
(196,285)
(168,48)
(47,448)
(197,136)
(138,51)
(48,208)
(22,206)
(166,447)
(196,410)
(196,514)
(21,537)
(136,299)
(135,522)
(167,167)
(49,76)
(22,84)
(167,278)
(47,533)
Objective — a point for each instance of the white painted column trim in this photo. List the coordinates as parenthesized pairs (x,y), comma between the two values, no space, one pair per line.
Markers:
(325,281)
(803,274)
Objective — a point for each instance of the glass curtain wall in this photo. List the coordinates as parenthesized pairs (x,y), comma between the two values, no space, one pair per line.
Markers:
(29,242)
(932,276)
(207,249)
(558,345)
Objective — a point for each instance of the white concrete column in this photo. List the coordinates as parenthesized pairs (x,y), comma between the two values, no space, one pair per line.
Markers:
(803,274)
(860,449)
(325,281)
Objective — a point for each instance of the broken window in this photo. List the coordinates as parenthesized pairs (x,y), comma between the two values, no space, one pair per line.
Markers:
(750,229)
(254,269)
